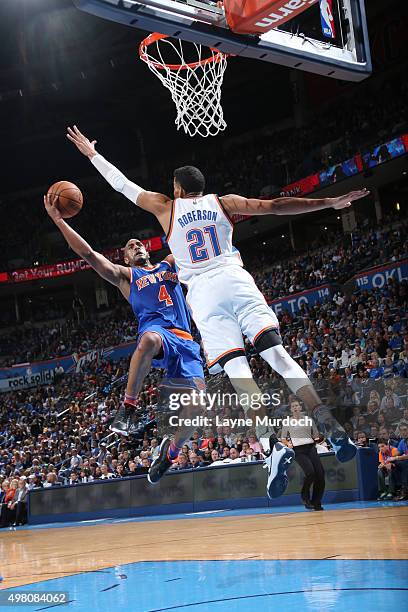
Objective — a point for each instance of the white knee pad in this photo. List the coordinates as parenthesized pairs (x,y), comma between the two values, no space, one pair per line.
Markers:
(280,361)
(238,367)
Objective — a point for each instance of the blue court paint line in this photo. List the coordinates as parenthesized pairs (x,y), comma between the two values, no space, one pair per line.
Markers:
(113,586)
(237,586)
(217,513)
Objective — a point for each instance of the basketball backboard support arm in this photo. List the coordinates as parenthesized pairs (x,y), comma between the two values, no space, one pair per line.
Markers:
(204,23)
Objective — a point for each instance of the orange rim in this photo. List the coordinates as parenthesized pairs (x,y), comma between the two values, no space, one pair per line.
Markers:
(156,36)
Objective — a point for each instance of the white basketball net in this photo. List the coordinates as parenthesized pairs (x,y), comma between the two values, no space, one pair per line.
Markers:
(195,86)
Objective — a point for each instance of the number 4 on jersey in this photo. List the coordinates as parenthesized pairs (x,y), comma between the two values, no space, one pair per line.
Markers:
(164,296)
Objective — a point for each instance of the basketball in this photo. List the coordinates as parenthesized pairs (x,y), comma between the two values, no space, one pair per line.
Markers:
(70,198)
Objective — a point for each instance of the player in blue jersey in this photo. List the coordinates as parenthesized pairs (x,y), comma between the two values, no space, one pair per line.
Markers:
(164,339)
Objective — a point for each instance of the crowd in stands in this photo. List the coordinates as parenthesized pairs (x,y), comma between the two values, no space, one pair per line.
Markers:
(355,349)
(262,164)
(67,337)
(334,263)
(279,157)
(55,435)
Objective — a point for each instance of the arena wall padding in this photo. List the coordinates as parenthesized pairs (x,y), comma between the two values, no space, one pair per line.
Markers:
(222,487)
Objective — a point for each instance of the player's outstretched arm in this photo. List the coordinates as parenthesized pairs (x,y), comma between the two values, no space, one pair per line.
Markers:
(115,274)
(236,204)
(156,203)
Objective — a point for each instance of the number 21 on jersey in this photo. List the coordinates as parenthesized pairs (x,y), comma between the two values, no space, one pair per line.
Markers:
(198,239)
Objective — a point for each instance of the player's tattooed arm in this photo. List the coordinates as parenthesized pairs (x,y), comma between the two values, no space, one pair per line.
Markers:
(113,273)
(236,204)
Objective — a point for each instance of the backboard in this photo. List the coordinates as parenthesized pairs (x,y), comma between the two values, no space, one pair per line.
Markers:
(326,37)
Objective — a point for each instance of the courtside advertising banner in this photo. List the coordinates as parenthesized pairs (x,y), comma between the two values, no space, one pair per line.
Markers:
(377,278)
(336,173)
(299,188)
(74,265)
(27,375)
(385,152)
(294,303)
(27,380)
(194,488)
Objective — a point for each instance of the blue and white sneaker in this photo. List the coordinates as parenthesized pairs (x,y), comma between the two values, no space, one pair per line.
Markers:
(277,463)
(343,447)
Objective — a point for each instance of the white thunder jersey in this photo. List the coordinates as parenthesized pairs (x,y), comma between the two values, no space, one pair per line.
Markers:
(200,236)
(222,296)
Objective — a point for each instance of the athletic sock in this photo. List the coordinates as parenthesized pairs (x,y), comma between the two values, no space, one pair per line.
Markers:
(328,424)
(130,401)
(173,451)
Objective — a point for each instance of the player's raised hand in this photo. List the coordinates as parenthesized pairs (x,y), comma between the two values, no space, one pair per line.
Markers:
(82,143)
(346,200)
(50,201)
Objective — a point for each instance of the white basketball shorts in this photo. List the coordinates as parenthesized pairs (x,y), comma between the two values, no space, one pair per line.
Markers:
(225,303)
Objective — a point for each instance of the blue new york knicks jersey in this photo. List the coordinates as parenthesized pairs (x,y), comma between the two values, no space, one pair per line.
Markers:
(156,298)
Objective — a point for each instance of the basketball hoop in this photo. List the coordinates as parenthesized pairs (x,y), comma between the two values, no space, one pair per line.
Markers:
(194,86)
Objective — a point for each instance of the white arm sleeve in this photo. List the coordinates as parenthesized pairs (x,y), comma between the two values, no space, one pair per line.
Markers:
(116,179)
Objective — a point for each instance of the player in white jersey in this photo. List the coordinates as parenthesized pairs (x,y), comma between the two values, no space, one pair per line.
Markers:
(223,297)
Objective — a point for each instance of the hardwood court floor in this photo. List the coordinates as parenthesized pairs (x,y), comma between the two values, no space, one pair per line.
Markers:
(29,556)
